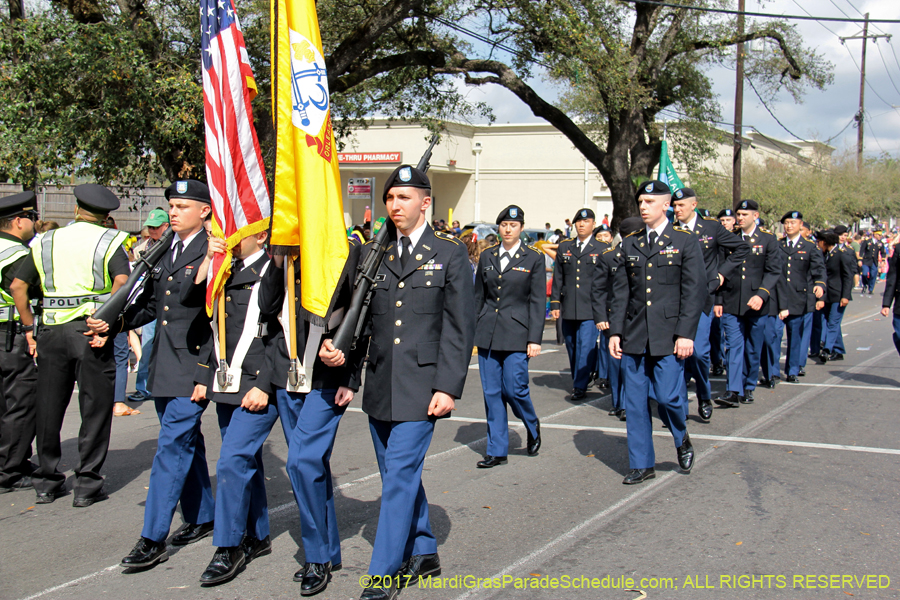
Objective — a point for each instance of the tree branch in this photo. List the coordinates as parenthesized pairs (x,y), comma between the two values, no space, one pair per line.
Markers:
(359,74)
(795,71)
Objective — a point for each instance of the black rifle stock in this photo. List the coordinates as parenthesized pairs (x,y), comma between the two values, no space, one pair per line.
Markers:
(351,326)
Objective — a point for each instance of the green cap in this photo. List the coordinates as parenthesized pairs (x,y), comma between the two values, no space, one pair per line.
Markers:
(156,218)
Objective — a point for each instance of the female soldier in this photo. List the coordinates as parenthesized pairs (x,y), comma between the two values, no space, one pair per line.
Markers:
(510,288)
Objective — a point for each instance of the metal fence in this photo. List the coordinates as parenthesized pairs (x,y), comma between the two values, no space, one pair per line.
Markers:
(58,204)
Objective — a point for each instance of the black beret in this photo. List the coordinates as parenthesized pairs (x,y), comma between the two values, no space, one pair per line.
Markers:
(189,189)
(602,227)
(652,188)
(17,204)
(840,230)
(748,205)
(95,198)
(726,212)
(584,213)
(703,212)
(511,213)
(406,176)
(829,237)
(793,214)
(807,225)
(761,222)
(630,225)
(684,193)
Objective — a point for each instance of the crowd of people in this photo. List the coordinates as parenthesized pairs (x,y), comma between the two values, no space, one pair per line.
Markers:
(673,296)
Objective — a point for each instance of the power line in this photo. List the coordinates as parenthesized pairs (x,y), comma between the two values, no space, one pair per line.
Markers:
(759,14)
(817,21)
(769,110)
(868,83)
(884,62)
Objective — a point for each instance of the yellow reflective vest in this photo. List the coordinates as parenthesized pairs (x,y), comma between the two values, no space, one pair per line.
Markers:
(10,252)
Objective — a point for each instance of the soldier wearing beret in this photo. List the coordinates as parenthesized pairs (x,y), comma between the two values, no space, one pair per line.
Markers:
(18,373)
(602,234)
(77,268)
(570,299)
(838,294)
(715,240)
(658,296)
(510,290)
(872,252)
(745,303)
(803,286)
(420,331)
(716,333)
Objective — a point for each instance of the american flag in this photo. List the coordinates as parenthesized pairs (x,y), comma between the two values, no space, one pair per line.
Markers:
(234,165)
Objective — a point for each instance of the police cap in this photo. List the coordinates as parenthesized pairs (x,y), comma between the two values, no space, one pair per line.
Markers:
(188,189)
(95,198)
(726,212)
(684,194)
(652,188)
(511,213)
(794,214)
(748,205)
(17,204)
(584,213)
(406,176)
(630,225)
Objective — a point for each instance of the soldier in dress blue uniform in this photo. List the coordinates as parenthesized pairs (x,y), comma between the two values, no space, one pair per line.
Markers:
(838,293)
(657,299)
(802,287)
(892,295)
(570,298)
(421,327)
(602,234)
(716,333)
(179,472)
(713,238)
(744,303)
(510,290)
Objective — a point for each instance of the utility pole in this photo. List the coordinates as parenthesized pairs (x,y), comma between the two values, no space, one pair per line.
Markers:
(738,113)
(861,115)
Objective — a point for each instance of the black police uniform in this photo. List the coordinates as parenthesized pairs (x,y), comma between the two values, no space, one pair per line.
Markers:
(18,373)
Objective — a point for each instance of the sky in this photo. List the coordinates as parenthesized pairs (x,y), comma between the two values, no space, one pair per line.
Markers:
(822,114)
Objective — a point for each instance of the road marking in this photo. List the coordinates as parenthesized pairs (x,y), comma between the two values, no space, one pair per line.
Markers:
(70,583)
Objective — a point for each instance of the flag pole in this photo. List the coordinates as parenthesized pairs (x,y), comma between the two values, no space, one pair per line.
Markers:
(222,373)
(293,373)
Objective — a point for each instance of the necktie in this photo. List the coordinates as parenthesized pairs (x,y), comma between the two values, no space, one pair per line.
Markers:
(504,261)
(652,237)
(236,265)
(178,249)
(404,254)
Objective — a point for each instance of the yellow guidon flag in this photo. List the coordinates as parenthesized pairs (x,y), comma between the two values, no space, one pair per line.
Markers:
(307,212)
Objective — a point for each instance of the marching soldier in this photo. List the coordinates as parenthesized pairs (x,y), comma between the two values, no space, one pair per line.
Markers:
(803,286)
(603,376)
(839,293)
(18,373)
(892,295)
(510,289)
(422,324)
(657,299)
(744,303)
(570,298)
(716,333)
(872,251)
(714,238)
(77,267)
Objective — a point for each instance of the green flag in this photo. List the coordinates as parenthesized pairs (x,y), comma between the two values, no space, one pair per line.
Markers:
(667,172)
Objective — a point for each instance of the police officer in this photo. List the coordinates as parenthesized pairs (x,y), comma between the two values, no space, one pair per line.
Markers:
(311,412)
(179,472)
(714,238)
(716,333)
(838,294)
(77,266)
(611,260)
(422,322)
(803,285)
(570,298)
(744,303)
(657,299)
(510,290)
(18,373)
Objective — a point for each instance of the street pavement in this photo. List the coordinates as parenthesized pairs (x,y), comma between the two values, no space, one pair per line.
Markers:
(795,496)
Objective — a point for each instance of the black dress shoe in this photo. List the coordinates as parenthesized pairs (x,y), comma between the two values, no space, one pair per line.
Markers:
(704,409)
(613,412)
(315,578)
(491,461)
(382,589)
(802,372)
(20,484)
(224,566)
(686,454)
(534,443)
(49,497)
(191,533)
(835,356)
(718,370)
(774,381)
(747,398)
(603,384)
(763,382)
(419,565)
(791,379)
(146,553)
(823,356)
(85,502)
(579,394)
(639,475)
(592,379)
(254,548)
(621,414)
(729,400)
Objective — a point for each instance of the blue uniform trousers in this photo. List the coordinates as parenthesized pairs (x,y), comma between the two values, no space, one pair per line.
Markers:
(869,277)
(834,339)
(897,333)
(716,342)
(770,361)
(817,337)
(581,344)
(796,342)
(404,528)
(604,359)
(179,471)
(744,336)
(310,423)
(241,505)
(664,375)
(148,332)
(614,374)
(806,328)
(504,379)
(697,364)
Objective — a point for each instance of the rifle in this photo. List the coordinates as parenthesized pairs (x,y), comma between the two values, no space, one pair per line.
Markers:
(115,307)
(351,326)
